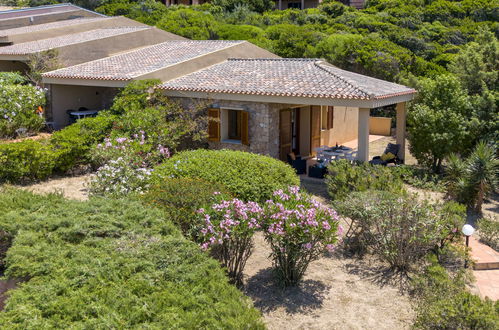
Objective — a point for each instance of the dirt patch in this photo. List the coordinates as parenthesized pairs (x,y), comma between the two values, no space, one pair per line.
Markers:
(39,136)
(71,187)
(376,148)
(5,286)
(336,293)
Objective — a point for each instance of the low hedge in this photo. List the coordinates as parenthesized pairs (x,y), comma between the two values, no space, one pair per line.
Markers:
(29,160)
(344,178)
(246,175)
(110,264)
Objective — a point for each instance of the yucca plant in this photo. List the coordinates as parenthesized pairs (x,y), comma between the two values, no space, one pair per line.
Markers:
(471,180)
(481,172)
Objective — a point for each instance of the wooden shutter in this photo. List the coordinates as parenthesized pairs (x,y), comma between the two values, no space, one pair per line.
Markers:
(285,134)
(330,117)
(315,128)
(245,127)
(214,124)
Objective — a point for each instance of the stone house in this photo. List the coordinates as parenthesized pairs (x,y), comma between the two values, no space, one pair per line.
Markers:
(256,100)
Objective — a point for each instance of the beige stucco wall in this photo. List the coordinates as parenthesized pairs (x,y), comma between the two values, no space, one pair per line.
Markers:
(13,66)
(380,126)
(64,97)
(96,49)
(11,23)
(344,127)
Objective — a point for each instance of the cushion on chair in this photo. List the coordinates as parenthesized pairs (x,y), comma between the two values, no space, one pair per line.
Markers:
(388,156)
(392,148)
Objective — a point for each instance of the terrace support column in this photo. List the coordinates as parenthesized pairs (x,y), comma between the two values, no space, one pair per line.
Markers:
(302,4)
(280,5)
(363,135)
(400,129)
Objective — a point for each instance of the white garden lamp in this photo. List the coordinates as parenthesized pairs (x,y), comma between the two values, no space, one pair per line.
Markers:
(467,230)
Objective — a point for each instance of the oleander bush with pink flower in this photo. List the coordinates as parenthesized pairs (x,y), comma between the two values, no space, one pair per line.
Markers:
(228,230)
(299,230)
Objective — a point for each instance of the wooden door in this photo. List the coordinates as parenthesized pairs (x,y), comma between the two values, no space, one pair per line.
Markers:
(315,128)
(285,134)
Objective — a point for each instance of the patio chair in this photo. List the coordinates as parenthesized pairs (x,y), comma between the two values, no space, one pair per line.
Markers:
(300,165)
(389,156)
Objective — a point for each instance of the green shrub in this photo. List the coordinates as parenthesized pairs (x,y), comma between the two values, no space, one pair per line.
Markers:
(489,232)
(180,198)
(26,160)
(248,176)
(445,303)
(110,263)
(73,143)
(399,229)
(20,107)
(420,177)
(344,178)
(12,78)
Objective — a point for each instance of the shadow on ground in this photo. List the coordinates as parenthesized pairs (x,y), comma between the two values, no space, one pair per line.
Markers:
(268,296)
(379,274)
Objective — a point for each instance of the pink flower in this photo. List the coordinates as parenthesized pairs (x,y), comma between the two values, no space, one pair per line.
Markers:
(330,247)
(308,246)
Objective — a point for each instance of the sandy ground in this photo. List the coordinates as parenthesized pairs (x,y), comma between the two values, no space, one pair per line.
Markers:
(39,136)
(376,148)
(336,293)
(71,187)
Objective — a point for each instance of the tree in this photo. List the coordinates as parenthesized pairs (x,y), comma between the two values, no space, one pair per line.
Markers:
(39,63)
(145,110)
(439,121)
(477,65)
(258,6)
(190,23)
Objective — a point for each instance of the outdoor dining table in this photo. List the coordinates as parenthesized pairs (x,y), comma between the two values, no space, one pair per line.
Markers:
(83,113)
(335,153)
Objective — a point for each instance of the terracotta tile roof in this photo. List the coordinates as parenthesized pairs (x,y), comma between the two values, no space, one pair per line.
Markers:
(53,25)
(65,40)
(139,62)
(285,77)
(40,10)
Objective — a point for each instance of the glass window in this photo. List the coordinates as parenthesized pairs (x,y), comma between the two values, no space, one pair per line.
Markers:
(234,124)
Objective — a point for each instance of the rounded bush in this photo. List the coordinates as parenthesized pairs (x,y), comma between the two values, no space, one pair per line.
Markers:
(246,175)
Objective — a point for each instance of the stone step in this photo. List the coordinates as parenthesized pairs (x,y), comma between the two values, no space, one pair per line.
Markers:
(484,256)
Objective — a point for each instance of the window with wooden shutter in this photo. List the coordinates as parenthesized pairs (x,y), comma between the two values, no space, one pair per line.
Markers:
(245,127)
(330,117)
(213,124)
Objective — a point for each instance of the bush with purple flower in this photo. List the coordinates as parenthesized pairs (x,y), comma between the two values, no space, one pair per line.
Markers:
(228,231)
(299,229)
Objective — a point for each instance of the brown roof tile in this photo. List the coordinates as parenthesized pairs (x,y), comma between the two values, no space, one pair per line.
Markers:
(139,62)
(65,40)
(285,77)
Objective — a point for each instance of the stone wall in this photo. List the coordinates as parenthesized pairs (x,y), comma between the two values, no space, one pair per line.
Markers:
(263,125)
